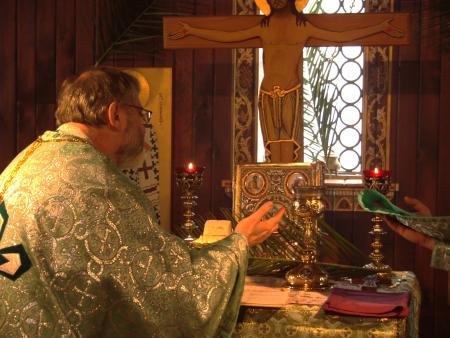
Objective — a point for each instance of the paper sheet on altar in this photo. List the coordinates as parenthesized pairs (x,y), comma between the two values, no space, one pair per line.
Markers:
(273,292)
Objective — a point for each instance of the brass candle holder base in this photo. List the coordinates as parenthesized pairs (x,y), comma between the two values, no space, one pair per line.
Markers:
(189,183)
(383,270)
(383,274)
(381,184)
(307,275)
(307,207)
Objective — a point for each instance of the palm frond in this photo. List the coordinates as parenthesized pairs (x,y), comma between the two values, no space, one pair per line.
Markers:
(279,267)
(287,244)
(133,27)
(319,102)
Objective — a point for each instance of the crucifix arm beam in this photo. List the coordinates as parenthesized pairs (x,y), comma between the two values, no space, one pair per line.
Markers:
(350,35)
(214,35)
(369,29)
(327,22)
(243,25)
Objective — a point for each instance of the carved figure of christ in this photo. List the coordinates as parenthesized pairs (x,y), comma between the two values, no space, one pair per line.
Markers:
(282,39)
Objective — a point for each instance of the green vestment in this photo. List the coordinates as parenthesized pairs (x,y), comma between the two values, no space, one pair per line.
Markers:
(440,258)
(101,267)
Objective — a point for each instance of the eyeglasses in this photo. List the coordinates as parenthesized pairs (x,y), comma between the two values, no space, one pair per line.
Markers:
(145,114)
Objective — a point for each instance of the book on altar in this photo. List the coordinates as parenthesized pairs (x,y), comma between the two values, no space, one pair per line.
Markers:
(265,291)
(214,231)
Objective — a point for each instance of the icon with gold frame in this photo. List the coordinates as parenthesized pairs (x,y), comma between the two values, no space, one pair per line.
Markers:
(257,183)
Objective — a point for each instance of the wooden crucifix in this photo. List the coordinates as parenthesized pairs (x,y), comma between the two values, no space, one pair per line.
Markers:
(282,35)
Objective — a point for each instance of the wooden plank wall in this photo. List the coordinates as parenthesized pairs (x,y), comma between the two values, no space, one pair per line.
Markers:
(421,152)
(44,41)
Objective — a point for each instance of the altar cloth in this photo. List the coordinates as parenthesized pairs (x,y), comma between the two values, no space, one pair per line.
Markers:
(307,320)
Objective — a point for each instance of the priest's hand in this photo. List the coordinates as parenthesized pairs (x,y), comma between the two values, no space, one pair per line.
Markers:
(256,230)
(410,234)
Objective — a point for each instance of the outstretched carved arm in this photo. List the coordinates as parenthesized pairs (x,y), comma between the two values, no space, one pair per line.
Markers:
(350,35)
(214,35)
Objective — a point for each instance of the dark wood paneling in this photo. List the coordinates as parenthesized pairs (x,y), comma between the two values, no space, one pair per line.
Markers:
(65,40)
(182,120)
(361,226)
(84,34)
(45,65)
(45,117)
(221,127)
(442,278)
(8,81)
(26,73)
(428,149)
(202,108)
(406,114)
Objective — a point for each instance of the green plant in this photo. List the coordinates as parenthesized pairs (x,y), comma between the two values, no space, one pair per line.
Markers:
(320,96)
(320,116)
(285,246)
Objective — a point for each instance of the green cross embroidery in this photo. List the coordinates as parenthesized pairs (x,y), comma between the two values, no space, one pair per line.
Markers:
(17,251)
(3,218)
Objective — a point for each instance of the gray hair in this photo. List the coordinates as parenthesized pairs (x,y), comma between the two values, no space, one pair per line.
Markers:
(85,98)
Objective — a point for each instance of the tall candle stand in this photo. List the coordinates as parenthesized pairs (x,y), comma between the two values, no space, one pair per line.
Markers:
(378,180)
(307,207)
(189,181)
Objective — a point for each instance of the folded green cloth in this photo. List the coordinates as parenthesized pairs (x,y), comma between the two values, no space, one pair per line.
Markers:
(436,227)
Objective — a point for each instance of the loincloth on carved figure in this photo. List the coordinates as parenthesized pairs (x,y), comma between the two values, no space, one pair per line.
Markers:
(281,118)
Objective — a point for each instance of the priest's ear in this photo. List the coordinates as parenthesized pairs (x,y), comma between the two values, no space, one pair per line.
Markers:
(115,119)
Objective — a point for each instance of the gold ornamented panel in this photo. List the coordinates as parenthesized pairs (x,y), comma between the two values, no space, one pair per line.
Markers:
(245,102)
(338,198)
(256,184)
(377,98)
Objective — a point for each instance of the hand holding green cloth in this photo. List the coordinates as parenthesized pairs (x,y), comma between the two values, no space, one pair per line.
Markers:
(435,227)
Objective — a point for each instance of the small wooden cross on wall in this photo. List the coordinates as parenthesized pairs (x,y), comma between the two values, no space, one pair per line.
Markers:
(282,35)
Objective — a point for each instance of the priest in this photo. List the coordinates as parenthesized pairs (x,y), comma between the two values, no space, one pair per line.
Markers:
(80,251)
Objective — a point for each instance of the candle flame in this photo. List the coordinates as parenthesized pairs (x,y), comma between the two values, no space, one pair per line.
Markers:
(190,166)
(376,171)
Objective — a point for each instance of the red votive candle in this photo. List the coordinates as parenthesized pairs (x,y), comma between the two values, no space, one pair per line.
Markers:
(377,173)
(190,168)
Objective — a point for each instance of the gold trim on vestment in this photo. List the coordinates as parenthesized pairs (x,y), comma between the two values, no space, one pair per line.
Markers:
(36,144)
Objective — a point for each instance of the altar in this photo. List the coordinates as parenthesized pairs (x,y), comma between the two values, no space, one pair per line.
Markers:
(306,320)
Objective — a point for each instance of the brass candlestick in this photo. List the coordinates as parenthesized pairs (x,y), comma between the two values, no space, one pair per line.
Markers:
(189,180)
(307,207)
(378,180)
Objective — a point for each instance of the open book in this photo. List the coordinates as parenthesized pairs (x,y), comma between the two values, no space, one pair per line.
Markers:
(436,227)
(266,291)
